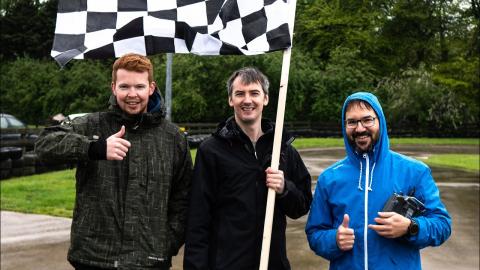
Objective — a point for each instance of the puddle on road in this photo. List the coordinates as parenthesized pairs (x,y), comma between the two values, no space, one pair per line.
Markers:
(442,174)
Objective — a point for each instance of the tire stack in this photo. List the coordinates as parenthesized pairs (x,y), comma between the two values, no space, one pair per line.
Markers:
(27,166)
(10,160)
(5,168)
(15,162)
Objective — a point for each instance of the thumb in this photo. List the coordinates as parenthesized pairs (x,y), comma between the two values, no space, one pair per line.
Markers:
(345,221)
(120,133)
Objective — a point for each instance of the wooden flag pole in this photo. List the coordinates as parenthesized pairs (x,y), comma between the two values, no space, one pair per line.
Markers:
(282,97)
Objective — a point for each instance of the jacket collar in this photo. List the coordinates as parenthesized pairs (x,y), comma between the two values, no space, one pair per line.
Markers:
(154,115)
(229,130)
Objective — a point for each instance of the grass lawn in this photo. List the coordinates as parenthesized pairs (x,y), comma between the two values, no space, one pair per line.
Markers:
(48,193)
(54,193)
(458,161)
(301,143)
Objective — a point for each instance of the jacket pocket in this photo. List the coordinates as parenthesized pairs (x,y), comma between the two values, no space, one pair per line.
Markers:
(96,225)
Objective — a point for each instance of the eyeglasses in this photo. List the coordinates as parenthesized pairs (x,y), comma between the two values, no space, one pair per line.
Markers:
(368,121)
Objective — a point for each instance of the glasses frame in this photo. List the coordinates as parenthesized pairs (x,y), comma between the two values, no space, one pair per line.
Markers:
(361,121)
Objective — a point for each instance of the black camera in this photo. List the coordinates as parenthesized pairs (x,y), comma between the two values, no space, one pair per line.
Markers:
(406,206)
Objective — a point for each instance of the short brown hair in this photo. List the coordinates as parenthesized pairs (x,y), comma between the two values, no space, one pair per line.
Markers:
(248,75)
(133,62)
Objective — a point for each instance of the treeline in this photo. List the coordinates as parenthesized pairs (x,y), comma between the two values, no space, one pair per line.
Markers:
(420,57)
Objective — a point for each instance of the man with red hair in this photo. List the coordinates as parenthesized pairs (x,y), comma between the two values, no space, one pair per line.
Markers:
(133,175)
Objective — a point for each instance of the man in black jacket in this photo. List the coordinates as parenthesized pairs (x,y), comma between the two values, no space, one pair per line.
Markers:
(133,176)
(231,181)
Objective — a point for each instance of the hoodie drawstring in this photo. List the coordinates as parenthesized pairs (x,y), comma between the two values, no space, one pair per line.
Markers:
(371,178)
(360,178)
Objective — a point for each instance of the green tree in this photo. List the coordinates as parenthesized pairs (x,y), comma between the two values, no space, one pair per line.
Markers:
(461,77)
(344,74)
(34,90)
(421,57)
(412,98)
(85,87)
(27,28)
(25,84)
(321,26)
(408,34)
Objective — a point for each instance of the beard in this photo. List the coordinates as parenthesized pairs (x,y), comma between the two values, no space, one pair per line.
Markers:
(362,146)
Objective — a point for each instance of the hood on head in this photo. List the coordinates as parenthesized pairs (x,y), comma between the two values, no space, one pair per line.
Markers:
(382,146)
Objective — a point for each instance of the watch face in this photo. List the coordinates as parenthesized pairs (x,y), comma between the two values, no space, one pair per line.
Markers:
(413,228)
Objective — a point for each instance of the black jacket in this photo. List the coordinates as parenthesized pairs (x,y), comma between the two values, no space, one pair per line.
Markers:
(128,214)
(228,200)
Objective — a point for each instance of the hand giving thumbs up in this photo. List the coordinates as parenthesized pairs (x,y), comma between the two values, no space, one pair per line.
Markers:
(345,235)
(117,147)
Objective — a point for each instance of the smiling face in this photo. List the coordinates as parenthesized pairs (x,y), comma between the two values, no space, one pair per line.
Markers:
(360,137)
(247,101)
(132,90)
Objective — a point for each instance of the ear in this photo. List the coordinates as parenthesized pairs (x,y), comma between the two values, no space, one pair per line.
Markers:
(114,92)
(230,101)
(152,87)
(265,100)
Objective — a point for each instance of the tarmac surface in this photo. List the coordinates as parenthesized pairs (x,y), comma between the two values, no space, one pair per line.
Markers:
(39,242)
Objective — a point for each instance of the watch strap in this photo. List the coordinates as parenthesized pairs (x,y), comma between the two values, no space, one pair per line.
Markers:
(412,228)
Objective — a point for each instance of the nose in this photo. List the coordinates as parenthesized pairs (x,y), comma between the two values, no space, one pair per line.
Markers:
(359,127)
(131,92)
(247,99)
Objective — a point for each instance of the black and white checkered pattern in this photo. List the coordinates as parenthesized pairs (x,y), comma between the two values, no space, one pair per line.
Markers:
(111,28)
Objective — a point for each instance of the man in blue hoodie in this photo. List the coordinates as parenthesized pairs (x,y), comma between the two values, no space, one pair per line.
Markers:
(346,225)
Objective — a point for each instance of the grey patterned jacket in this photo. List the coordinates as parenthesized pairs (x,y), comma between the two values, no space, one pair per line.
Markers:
(128,214)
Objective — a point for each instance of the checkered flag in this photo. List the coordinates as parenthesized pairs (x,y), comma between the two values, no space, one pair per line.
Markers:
(111,28)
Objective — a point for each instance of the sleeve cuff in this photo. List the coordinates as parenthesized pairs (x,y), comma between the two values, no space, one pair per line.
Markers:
(98,150)
(287,186)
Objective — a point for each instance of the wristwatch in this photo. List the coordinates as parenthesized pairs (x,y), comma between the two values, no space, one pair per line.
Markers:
(412,228)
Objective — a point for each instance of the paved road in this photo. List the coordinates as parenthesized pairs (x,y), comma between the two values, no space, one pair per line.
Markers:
(34,242)
(38,242)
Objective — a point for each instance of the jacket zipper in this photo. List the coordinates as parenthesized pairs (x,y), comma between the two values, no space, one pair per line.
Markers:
(365,223)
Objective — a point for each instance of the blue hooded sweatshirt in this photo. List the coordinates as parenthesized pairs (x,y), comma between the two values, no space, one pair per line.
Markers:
(359,185)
